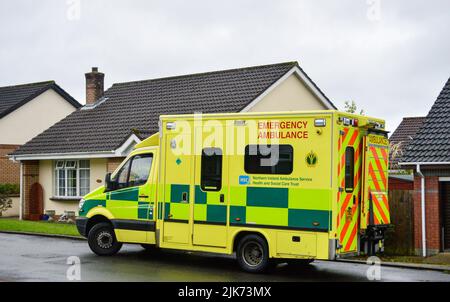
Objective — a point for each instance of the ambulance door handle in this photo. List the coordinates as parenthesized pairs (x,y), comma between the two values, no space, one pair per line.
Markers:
(184,197)
(222,198)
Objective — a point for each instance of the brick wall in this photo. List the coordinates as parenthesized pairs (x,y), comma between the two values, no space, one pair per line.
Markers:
(432,215)
(30,171)
(113,163)
(9,171)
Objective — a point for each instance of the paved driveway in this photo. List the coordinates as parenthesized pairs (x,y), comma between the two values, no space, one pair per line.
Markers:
(33,258)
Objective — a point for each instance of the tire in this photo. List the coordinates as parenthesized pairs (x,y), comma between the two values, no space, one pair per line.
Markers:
(102,240)
(253,254)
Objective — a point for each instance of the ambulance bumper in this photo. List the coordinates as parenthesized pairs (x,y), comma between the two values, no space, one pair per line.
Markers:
(81,223)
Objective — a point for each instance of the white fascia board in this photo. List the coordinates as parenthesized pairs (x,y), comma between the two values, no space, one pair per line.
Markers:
(444,179)
(80,155)
(298,72)
(132,139)
(425,164)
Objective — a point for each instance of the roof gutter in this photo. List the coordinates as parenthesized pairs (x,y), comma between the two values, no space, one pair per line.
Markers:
(425,164)
(100,154)
(422,205)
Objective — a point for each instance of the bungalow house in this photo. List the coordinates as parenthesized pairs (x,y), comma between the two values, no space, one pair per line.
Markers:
(72,157)
(429,156)
(402,179)
(25,111)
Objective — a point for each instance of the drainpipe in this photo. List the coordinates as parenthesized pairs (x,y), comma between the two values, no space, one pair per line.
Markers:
(422,197)
(21,193)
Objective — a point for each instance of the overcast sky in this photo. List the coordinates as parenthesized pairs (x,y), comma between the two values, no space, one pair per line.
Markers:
(392,57)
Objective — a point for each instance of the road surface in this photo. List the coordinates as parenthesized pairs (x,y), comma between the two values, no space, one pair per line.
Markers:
(34,258)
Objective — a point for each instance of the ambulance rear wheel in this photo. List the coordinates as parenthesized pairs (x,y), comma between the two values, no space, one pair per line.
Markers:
(102,240)
(253,254)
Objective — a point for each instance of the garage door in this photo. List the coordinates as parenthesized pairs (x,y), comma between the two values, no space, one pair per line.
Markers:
(446,215)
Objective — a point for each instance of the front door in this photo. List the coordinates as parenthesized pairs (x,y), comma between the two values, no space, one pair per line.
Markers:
(211,191)
(445,197)
(350,172)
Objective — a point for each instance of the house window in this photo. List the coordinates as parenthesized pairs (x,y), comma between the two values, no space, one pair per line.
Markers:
(258,159)
(72,178)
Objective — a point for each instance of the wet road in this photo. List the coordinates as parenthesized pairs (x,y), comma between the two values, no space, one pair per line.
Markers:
(32,258)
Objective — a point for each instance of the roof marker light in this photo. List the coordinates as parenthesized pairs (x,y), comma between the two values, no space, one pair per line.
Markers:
(320,122)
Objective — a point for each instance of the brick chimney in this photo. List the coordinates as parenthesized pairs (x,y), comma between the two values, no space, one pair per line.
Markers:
(94,85)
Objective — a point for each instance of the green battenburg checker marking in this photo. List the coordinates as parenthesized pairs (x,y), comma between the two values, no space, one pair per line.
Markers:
(216,213)
(176,192)
(268,197)
(308,219)
(200,196)
(92,203)
(238,212)
(128,195)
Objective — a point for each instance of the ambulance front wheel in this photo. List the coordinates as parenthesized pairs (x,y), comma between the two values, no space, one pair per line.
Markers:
(253,254)
(102,240)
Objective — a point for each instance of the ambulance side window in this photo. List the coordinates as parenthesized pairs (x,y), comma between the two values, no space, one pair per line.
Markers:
(211,170)
(257,157)
(134,172)
(349,169)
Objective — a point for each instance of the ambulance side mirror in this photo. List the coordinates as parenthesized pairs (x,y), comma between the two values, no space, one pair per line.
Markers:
(109,184)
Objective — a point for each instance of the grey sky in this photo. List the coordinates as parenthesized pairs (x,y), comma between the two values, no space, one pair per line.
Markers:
(392,66)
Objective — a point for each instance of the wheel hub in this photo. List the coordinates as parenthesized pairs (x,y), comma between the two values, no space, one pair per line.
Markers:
(105,240)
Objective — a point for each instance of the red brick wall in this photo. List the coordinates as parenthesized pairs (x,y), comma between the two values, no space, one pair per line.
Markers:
(432,215)
(30,172)
(9,171)
(399,184)
(113,163)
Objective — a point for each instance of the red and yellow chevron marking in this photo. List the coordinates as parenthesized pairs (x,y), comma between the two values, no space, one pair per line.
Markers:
(348,213)
(377,183)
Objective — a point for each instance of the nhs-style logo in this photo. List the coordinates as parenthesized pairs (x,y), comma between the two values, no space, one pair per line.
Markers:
(244,180)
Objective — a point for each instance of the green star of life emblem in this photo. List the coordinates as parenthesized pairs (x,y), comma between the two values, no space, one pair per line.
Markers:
(178,161)
(311,159)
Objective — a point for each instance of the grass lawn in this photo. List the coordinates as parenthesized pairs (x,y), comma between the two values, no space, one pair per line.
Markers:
(41,227)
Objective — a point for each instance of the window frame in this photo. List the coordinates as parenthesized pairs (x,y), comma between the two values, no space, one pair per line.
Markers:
(60,166)
(347,188)
(202,169)
(280,146)
(130,160)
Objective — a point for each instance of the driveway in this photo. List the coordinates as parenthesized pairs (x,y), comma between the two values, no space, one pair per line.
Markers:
(34,258)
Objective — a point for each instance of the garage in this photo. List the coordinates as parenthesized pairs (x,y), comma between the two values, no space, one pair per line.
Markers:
(445,198)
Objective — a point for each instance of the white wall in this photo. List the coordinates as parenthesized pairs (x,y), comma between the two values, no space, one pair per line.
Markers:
(290,95)
(21,125)
(46,179)
(14,211)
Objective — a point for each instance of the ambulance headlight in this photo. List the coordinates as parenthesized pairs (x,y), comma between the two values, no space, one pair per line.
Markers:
(80,205)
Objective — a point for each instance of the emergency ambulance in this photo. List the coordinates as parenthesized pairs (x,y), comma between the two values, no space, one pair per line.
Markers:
(270,187)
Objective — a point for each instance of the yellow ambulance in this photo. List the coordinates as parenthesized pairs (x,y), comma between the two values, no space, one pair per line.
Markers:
(291,186)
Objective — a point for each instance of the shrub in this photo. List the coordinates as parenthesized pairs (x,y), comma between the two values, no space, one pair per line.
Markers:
(9,189)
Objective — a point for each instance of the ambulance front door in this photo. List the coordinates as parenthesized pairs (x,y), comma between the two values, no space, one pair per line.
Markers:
(210,207)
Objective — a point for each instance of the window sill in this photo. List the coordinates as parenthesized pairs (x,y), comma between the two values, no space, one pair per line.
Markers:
(55,198)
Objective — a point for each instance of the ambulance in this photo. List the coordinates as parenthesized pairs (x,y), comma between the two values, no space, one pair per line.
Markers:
(267,187)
